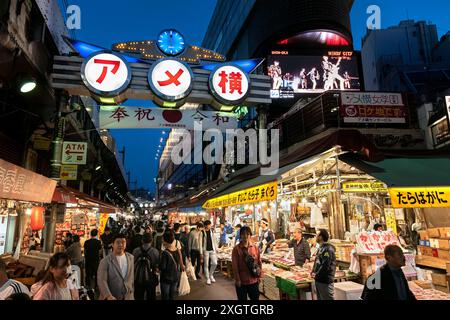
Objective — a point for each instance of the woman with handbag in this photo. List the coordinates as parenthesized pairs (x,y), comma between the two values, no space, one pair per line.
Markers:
(247,267)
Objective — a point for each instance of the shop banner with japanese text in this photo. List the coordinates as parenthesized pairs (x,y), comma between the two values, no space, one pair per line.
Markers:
(17,183)
(120,117)
(420,197)
(373,107)
(265,192)
(364,187)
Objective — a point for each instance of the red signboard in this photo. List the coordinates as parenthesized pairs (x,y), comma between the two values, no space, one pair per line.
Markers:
(374,114)
(17,183)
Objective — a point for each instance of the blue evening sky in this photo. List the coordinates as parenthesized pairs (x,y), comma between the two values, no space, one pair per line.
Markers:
(104,22)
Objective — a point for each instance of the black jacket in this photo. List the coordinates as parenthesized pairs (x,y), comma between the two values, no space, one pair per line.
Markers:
(301,251)
(325,264)
(170,268)
(388,289)
(92,248)
(269,237)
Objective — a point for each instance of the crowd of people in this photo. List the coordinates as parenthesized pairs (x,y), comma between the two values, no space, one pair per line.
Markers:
(131,261)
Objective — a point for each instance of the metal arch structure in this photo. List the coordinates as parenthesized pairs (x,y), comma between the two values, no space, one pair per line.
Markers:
(140,56)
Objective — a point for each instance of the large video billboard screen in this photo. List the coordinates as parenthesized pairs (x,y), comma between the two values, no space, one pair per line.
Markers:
(294,75)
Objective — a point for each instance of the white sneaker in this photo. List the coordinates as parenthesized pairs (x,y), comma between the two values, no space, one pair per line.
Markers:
(212,279)
(208,281)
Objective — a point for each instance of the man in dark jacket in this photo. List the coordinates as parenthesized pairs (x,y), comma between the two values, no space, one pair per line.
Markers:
(92,249)
(324,268)
(302,253)
(136,239)
(389,281)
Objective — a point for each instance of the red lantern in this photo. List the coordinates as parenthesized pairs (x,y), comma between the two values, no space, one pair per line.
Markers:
(37,218)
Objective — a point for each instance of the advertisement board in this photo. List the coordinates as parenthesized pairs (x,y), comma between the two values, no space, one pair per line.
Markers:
(294,74)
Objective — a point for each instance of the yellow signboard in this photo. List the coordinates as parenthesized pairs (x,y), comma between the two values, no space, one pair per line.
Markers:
(265,192)
(421,197)
(102,223)
(364,186)
(391,223)
(69,172)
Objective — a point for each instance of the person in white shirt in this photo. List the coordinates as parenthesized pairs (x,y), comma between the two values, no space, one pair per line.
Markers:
(8,286)
(209,251)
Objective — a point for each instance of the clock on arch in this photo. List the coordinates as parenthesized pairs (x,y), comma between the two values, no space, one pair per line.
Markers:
(171,42)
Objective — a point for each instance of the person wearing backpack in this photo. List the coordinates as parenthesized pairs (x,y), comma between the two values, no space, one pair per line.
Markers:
(146,263)
(247,266)
(171,267)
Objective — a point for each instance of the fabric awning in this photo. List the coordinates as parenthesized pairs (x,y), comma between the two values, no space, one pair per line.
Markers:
(405,172)
(71,194)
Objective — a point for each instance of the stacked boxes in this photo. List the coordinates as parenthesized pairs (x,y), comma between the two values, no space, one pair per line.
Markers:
(435,243)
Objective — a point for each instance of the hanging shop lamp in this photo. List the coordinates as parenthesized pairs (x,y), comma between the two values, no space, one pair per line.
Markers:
(37,218)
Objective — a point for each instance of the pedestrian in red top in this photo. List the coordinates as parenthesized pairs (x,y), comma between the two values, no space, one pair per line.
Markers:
(247,267)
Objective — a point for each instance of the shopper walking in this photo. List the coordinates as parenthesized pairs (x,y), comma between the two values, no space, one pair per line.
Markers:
(389,281)
(195,243)
(74,252)
(302,252)
(107,240)
(158,236)
(324,268)
(92,251)
(68,240)
(115,275)
(170,266)
(247,266)
(9,286)
(146,264)
(209,252)
(184,239)
(55,285)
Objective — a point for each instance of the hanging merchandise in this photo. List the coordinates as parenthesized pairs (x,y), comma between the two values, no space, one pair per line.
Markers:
(37,218)
(316,216)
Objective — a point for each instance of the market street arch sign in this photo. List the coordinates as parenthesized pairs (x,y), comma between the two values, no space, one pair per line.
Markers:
(154,70)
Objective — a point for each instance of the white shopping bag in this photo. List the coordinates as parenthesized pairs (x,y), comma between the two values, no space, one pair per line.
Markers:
(184,288)
(190,271)
(158,287)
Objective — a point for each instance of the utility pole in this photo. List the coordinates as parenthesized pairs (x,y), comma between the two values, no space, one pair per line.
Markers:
(123,156)
(129,178)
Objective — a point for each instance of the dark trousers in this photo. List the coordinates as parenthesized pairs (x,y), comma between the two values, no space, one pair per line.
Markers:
(248,291)
(325,291)
(168,290)
(195,260)
(91,277)
(145,292)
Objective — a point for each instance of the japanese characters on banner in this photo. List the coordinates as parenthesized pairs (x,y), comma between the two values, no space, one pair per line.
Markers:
(106,74)
(364,186)
(74,153)
(17,183)
(170,79)
(229,84)
(265,192)
(136,117)
(373,107)
(420,197)
(374,242)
